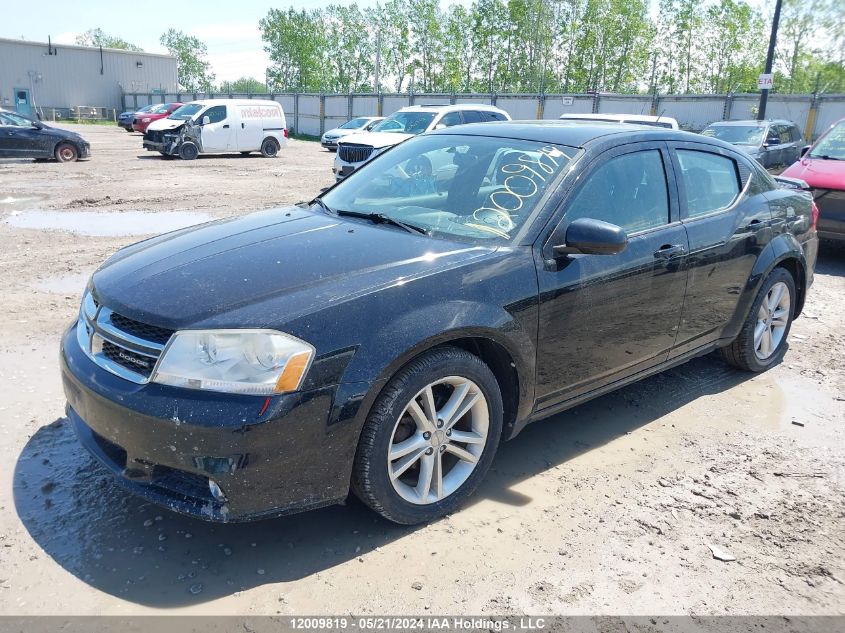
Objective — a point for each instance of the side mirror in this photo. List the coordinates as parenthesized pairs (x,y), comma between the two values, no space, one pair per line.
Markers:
(805,149)
(592,237)
(206,120)
(38,125)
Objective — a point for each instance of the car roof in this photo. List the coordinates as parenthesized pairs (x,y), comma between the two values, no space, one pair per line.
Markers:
(598,116)
(233,102)
(443,107)
(752,122)
(574,133)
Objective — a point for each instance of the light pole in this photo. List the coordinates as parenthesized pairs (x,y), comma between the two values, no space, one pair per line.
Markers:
(770,56)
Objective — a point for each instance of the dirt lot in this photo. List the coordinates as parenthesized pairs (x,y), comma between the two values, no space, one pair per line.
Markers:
(608,508)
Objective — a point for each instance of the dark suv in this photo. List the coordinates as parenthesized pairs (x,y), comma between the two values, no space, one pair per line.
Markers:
(389,334)
(776,143)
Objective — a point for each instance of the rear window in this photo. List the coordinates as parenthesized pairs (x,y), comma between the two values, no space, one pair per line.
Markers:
(472,116)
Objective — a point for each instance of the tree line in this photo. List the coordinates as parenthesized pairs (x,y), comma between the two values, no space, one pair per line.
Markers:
(551,46)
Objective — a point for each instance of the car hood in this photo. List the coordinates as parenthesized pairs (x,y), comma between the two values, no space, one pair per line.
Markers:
(163,124)
(818,172)
(377,139)
(293,261)
(337,132)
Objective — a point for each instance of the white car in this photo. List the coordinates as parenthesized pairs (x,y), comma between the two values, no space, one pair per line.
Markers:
(359,124)
(355,150)
(216,126)
(637,119)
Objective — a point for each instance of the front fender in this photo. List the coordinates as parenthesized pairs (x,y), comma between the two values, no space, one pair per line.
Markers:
(783,247)
(429,326)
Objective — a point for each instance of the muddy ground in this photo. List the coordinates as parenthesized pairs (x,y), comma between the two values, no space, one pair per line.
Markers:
(609,508)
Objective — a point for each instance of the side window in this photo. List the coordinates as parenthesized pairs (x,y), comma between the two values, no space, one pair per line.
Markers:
(472,116)
(451,118)
(629,191)
(216,114)
(7,118)
(784,134)
(495,116)
(710,180)
(796,133)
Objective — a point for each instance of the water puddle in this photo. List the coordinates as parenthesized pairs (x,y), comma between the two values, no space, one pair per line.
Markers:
(10,201)
(68,284)
(106,224)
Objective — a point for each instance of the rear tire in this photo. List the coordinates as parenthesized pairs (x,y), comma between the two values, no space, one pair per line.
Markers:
(188,151)
(430,437)
(269,148)
(761,342)
(66,153)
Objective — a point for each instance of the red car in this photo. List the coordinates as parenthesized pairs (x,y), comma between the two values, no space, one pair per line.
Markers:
(143,119)
(822,166)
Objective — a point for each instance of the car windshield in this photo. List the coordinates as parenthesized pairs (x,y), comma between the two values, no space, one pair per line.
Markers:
(354,124)
(406,122)
(160,108)
(15,120)
(737,134)
(144,109)
(471,188)
(186,111)
(831,144)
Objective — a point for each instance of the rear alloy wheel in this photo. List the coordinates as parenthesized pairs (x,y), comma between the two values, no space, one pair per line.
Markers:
(66,153)
(269,148)
(762,341)
(188,151)
(430,437)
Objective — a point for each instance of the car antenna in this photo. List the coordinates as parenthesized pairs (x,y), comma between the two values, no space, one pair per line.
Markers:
(662,112)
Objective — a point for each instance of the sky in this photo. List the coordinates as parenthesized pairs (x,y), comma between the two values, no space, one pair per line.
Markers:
(229,29)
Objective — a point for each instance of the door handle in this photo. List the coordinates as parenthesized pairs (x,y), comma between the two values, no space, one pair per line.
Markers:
(225,126)
(755,225)
(669,251)
(242,126)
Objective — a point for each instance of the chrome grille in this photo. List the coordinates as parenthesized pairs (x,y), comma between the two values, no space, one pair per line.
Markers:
(125,347)
(354,153)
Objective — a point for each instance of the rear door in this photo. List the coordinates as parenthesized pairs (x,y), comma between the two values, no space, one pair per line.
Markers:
(605,317)
(728,221)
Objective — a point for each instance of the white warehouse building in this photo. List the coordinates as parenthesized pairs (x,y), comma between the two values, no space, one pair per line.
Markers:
(38,77)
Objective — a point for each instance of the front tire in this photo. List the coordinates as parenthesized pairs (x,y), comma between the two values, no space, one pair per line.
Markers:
(188,151)
(430,437)
(762,340)
(66,153)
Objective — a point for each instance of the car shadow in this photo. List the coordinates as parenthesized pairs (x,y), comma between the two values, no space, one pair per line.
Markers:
(127,547)
(831,258)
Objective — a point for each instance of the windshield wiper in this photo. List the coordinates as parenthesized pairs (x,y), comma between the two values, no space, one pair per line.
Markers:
(381,218)
(825,157)
(319,202)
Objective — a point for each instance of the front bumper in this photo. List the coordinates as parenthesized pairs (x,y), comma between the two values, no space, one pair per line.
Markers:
(164,443)
(330,143)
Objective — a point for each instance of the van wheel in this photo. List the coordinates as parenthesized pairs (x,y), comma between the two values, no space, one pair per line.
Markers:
(269,148)
(188,151)
(762,340)
(66,153)
(430,437)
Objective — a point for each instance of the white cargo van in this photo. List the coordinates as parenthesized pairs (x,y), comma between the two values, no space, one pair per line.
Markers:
(216,126)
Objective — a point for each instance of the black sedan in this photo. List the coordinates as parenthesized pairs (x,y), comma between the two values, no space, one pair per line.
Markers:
(386,337)
(21,137)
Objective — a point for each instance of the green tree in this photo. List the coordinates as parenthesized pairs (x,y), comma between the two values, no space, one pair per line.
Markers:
(190,53)
(350,49)
(393,34)
(96,37)
(244,85)
(296,43)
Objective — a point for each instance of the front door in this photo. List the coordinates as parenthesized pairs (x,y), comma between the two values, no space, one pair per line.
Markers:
(604,317)
(217,134)
(23,104)
(18,138)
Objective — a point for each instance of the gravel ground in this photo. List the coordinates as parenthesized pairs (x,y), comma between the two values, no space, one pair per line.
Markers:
(613,507)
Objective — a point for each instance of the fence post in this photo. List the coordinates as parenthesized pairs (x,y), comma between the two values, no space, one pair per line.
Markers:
(726,110)
(349,107)
(655,104)
(135,97)
(452,98)
(322,114)
(541,106)
(296,112)
(492,98)
(379,104)
(595,102)
(410,98)
(810,125)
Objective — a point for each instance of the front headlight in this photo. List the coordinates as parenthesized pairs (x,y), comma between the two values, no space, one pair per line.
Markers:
(253,362)
(147,120)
